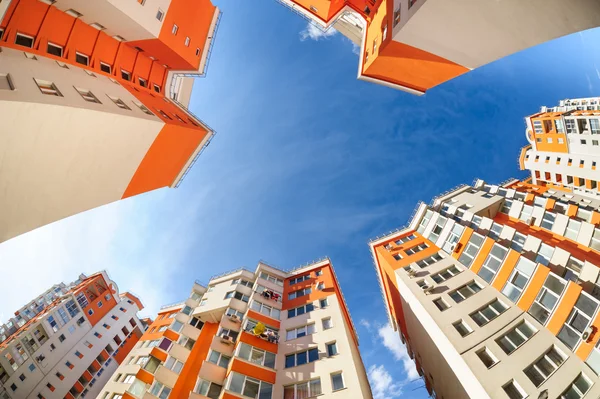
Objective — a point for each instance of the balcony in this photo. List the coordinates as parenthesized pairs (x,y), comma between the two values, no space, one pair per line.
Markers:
(212,372)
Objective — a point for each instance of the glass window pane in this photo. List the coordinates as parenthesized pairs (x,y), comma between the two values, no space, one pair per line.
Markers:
(301,358)
(313,355)
(251,388)
(236,383)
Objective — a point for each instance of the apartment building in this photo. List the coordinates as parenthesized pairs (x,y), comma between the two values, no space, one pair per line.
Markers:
(67,342)
(564,147)
(494,290)
(414,45)
(94,98)
(258,334)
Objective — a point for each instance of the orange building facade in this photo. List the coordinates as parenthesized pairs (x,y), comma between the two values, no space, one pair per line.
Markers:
(495,291)
(564,147)
(249,334)
(95,98)
(68,341)
(414,45)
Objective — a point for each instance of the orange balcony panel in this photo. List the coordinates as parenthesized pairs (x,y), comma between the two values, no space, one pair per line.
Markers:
(254,371)
(263,319)
(145,376)
(159,354)
(462,243)
(82,40)
(67,396)
(257,342)
(172,335)
(78,387)
(56,28)
(564,308)
(88,376)
(127,395)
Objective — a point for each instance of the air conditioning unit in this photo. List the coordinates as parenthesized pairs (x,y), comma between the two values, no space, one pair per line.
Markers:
(226,339)
(588,334)
(427,289)
(453,247)
(457,246)
(234,318)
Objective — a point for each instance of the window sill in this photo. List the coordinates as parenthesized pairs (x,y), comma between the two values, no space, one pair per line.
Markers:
(338,390)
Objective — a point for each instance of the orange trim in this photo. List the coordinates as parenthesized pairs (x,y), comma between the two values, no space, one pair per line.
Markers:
(534,287)
(484,251)
(189,374)
(133,298)
(585,348)
(506,269)
(251,370)
(564,308)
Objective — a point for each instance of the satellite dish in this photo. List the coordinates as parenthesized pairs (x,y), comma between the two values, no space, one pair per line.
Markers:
(544,394)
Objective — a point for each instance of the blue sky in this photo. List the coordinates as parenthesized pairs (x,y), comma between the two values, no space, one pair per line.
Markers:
(307,162)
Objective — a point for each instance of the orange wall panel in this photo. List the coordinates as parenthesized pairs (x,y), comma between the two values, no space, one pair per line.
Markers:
(484,251)
(506,269)
(251,370)
(189,374)
(464,239)
(82,39)
(159,354)
(164,160)
(126,57)
(56,28)
(585,348)
(27,19)
(534,287)
(126,347)
(564,308)
(105,51)
(145,376)
(142,67)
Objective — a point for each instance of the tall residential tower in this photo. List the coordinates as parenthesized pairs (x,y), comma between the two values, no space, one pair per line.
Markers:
(258,334)
(94,99)
(495,291)
(67,342)
(414,45)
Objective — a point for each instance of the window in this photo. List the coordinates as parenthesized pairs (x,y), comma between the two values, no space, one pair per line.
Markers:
(24,40)
(492,263)
(203,302)
(486,356)
(90,97)
(548,220)
(249,387)
(571,126)
(539,371)
(488,312)
(237,295)
(299,279)
(174,364)
(465,291)
(471,250)
(230,333)
(61,338)
(320,286)
(47,87)
(125,75)
(129,378)
(160,14)
(242,282)
(506,206)
(595,244)
(453,237)
(518,279)
(119,103)
(423,263)
(445,274)
(156,88)
(174,29)
(105,67)
(573,268)
(219,359)
(441,304)
(301,390)
(547,298)
(578,321)
(82,59)
(573,229)
(197,51)
(416,249)
(309,307)
(337,381)
(232,312)
(143,82)
(299,293)
(514,390)
(462,328)
(495,231)
(300,358)
(176,326)
(327,323)
(518,241)
(331,349)
(208,389)
(54,49)
(187,41)
(300,332)
(159,390)
(256,355)
(425,221)
(526,212)
(437,228)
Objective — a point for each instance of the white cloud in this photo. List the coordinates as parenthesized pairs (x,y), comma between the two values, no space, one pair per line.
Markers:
(391,340)
(382,383)
(314,33)
(355,48)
